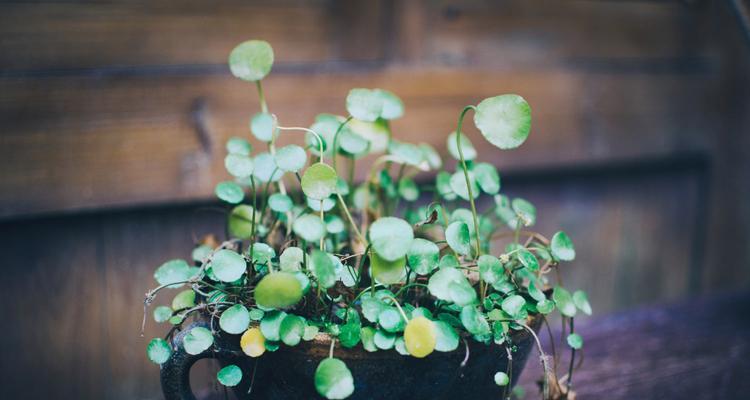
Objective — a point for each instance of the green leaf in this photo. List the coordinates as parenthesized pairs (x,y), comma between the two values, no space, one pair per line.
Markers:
(473,321)
(235,319)
(487,178)
(240,221)
(230,192)
(162,314)
(309,228)
(367,335)
(262,254)
(201,252)
(502,379)
(393,107)
(431,155)
(198,340)
(262,126)
(408,153)
(278,290)
(575,341)
(387,272)
(256,314)
(384,340)
(291,158)
(377,133)
(447,337)
(490,269)
(524,210)
(462,294)
(292,329)
(238,165)
(458,238)
(372,307)
(545,306)
(310,332)
(408,189)
(459,187)
(564,301)
(505,121)
(270,325)
(423,256)
(440,282)
(231,375)
(350,331)
(513,305)
(323,268)
(443,185)
(400,346)
(449,261)
(158,351)
(291,259)
(266,169)
(391,320)
(527,259)
(334,225)
(535,293)
(466,147)
(582,301)
(562,247)
(319,181)
(239,146)
(352,144)
(174,271)
(333,380)
(251,60)
(183,300)
(391,237)
(280,202)
(227,265)
(364,104)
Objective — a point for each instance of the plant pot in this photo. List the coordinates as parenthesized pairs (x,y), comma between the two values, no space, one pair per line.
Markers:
(288,373)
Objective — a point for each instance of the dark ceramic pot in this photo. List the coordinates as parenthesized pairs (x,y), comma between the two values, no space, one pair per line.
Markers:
(288,373)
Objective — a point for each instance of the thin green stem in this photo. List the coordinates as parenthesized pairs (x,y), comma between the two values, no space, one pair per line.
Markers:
(298,128)
(351,220)
(261,97)
(322,222)
(466,176)
(413,284)
(335,149)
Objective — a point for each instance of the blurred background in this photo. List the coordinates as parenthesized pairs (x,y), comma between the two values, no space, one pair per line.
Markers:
(114,113)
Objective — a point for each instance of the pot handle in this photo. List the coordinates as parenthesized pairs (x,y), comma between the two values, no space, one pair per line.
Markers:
(175,373)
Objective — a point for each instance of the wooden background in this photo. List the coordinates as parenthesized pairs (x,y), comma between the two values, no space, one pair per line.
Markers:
(113,116)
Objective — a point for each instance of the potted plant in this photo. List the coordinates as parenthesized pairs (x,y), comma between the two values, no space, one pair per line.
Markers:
(384,289)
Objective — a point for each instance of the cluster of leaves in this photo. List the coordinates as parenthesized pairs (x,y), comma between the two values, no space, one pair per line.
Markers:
(386,264)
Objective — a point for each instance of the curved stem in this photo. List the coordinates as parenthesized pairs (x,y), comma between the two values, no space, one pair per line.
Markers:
(466,175)
(299,128)
(401,310)
(335,148)
(413,284)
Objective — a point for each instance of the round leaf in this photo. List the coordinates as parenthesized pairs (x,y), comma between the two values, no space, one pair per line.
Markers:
(440,282)
(198,340)
(575,341)
(319,181)
(446,337)
(391,237)
(564,302)
(391,320)
(240,221)
(231,375)
(291,259)
(513,305)
(487,178)
(466,147)
(280,202)
(227,265)
(459,187)
(253,343)
(266,169)
(384,340)
(162,314)
(420,337)
(309,228)
(158,350)
(408,189)
(423,256)
(562,247)
(235,319)
(352,144)
(393,107)
(473,321)
(387,272)
(333,380)
(462,293)
(230,192)
(323,268)
(239,166)
(364,104)
(490,269)
(524,210)
(251,60)
(431,156)
(528,259)
(292,329)
(183,300)
(240,146)
(545,306)
(291,158)
(458,238)
(502,379)
(582,301)
(174,271)
(262,126)
(278,290)
(270,326)
(505,121)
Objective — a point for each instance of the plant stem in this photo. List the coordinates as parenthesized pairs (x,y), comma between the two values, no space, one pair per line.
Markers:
(466,176)
(261,97)
(298,128)
(351,220)
(569,383)
(323,222)
(335,148)
(413,284)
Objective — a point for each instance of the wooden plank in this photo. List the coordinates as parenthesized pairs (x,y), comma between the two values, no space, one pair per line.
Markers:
(85,35)
(534,34)
(72,143)
(697,350)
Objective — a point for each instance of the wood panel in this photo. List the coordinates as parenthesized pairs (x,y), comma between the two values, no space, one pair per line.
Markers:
(73,143)
(75,302)
(86,35)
